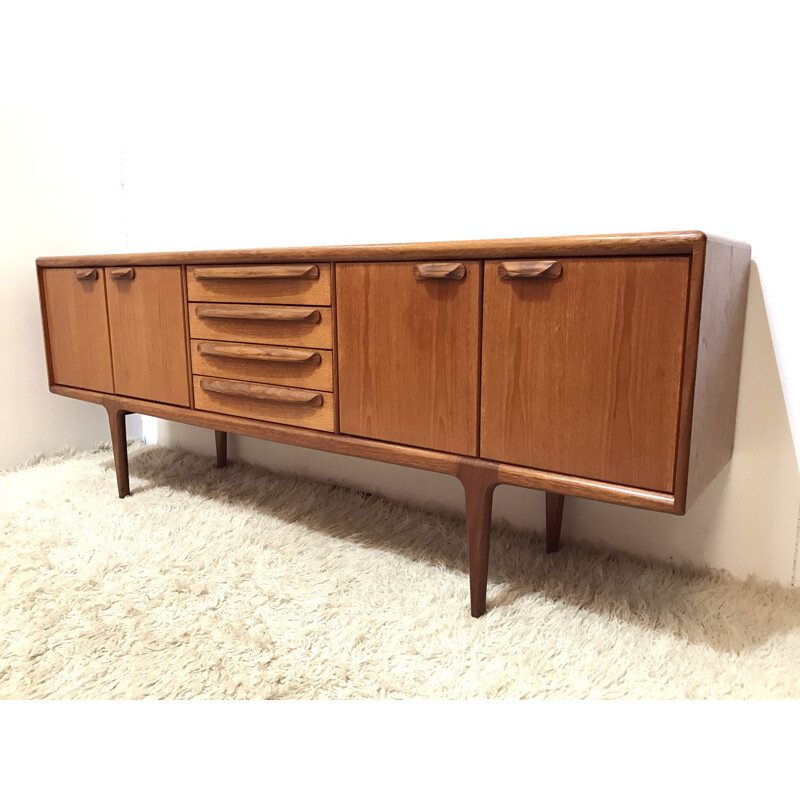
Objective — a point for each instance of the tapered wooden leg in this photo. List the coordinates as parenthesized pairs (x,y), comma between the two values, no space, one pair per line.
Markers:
(221,439)
(478,490)
(119,443)
(554,505)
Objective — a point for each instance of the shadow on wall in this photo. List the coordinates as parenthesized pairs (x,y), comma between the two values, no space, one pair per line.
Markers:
(745,522)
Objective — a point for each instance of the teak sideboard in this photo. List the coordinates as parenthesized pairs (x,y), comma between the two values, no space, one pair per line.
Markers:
(603,367)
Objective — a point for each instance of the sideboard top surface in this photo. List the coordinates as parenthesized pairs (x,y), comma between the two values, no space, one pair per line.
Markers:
(670,243)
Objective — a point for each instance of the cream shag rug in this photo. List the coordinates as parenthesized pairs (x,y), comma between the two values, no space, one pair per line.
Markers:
(244,583)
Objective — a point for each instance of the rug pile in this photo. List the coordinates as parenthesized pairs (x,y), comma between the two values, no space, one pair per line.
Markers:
(243,583)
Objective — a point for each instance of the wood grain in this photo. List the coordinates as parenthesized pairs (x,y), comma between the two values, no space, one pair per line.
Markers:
(187,337)
(440,270)
(221,446)
(408,355)
(302,284)
(543,246)
(479,484)
(240,311)
(716,334)
(554,512)
(304,415)
(582,375)
(312,330)
(119,445)
(528,270)
(274,271)
(707,454)
(313,371)
(76,329)
(391,453)
(259,391)
(335,336)
(608,364)
(86,274)
(148,343)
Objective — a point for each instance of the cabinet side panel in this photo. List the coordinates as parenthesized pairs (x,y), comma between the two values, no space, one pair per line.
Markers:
(719,359)
(77,329)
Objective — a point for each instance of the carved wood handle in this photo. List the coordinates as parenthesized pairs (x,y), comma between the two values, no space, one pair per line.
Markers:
(263,313)
(126,274)
(256,391)
(307,271)
(512,270)
(454,271)
(86,274)
(256,352)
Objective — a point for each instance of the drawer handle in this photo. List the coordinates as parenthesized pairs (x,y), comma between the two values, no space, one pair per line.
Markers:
(86,274)
(256,392)
(450,272)
(259,353)
(308,271)
(265,314)
(512,270)
(126,274)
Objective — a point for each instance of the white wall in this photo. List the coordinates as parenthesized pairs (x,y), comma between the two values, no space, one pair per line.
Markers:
(59,193)
(283,124)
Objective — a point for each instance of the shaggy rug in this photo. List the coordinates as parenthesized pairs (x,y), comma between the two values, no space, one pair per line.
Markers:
(242,583)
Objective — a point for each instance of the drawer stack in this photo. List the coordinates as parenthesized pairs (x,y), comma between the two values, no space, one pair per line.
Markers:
(262,342)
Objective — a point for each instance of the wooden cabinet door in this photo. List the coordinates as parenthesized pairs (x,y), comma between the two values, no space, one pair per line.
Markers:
(148,333)
(581,375)
(77,328)
(408,353)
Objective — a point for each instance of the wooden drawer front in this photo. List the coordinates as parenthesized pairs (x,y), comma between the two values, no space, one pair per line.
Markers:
(287,366)
(77,328)
(300,326)
(304,284)
(407,338)
(301,407)
(581,374)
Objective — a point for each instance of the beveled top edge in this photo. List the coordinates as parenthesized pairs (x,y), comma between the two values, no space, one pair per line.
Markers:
(592,245)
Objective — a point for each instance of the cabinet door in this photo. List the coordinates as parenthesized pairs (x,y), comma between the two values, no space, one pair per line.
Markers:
(408,353)
(582,374)
(148,333)
(77,328)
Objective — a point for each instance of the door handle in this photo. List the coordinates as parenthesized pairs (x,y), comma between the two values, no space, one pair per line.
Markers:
(259,392)
(306,271)
(126,274)
(256,352)
(454,271)
(264,313)
(86,274)
(514,270)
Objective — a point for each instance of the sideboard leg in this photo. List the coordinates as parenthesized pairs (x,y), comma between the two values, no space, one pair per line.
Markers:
(554,504)
(119,443)
(478,491)
(221,439)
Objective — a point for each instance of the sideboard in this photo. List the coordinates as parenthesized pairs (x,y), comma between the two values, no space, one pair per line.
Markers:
(603,367)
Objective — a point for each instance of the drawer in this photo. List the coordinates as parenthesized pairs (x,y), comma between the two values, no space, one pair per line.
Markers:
(303,284)
(301,326)
(308,368)
(301,407)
